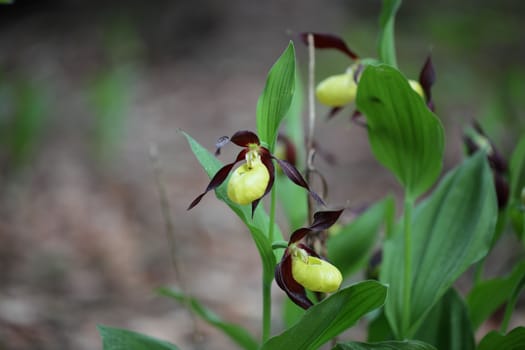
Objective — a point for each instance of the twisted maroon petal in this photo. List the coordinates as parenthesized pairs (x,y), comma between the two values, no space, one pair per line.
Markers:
(329,41)
(296,177)
(325,219)
(245,137)
(285,280)
(218,178)
(298,234)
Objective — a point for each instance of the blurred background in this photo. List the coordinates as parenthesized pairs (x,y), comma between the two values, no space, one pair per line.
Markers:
(86,87)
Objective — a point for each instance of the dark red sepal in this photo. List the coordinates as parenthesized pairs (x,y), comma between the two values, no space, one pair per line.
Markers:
(296,177)
(244,138)
(329,41)
(427,78)
(299,234)
(325,219)
(218,178)
(285,280)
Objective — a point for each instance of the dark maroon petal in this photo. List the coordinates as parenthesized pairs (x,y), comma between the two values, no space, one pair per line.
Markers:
(427,78)
(218,178)
(329,41)
(298,234)
(285,280)
(333,111)
(221,142)
(296,177)
(244,137)
(502,189)
(325,219)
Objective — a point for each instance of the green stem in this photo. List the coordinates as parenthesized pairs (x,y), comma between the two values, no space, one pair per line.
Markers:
(511,304)
(267,285)
(407,290)
(267,311)
(272,212)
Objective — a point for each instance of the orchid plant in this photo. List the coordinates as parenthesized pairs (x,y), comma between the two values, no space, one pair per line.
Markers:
(449,222)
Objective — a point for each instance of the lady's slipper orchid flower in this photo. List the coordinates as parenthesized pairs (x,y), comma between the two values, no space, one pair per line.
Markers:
(302,268)
(339,90)
(250,182)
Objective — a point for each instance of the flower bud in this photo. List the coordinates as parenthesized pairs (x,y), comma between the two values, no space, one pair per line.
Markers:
(337,90)
(416,86)
(315,274)
(247,183)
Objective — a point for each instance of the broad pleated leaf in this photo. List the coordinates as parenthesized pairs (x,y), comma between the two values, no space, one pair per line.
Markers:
(485,298)
(350,248)
(387,47)
(447,326)
(514,340)
(405,136)
(258,226)
(451,230)
(332,316)
(123,339)
(276,97)
(236,333)
(386,345)
(293,199)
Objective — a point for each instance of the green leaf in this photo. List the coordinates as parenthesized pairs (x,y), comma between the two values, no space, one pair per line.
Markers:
(447,325)
(514,340)
(350,248)
(332,316)
(406,137)
(485,298)
(451,230)
(516,208)
(276,97)
(122,339)
(293,198)
(236,333)
(260,224)
(28,121)
(387,47)
(379,329)
(386,345)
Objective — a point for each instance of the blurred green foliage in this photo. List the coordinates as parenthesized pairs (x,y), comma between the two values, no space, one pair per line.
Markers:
(24,108)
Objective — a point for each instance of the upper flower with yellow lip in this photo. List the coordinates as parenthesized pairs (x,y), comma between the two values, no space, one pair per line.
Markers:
(339,90)
(251,181)
(302,268)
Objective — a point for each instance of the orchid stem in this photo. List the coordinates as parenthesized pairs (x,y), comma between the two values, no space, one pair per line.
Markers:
(407,290)
(267,285)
